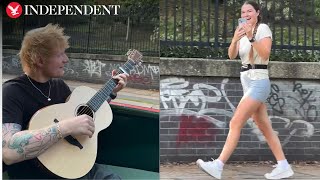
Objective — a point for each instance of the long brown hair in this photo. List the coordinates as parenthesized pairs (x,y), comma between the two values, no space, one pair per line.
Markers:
(257,8)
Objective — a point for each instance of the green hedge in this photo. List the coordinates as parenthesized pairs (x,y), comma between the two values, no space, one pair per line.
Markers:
(221,53)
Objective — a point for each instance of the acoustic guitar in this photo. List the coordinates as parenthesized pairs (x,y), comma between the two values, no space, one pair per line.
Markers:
(73,157)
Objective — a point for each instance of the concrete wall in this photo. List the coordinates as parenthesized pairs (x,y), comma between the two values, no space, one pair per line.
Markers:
(198,99)
(96,68)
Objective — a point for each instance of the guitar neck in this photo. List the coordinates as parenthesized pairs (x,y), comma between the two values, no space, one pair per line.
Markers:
(98,99)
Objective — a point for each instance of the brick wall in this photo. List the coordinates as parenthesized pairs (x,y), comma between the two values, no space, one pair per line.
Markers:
(96,68)
(198,103)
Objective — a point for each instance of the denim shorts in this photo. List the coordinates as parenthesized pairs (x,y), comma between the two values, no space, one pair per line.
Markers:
(256,89)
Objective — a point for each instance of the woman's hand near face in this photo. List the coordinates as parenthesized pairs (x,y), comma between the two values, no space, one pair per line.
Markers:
(238,34)
(248,30)
(234,45)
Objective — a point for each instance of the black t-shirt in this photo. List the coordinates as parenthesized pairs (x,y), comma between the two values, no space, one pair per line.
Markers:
(20,101)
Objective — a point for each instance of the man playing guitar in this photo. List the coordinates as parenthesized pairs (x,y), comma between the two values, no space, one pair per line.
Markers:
(43,58)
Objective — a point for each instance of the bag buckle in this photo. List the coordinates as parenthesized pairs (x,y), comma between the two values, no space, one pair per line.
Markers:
(245,66)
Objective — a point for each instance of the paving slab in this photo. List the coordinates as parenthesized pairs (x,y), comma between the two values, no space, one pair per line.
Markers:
(254,171)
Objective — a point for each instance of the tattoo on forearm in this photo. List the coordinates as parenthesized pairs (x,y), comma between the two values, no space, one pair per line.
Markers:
(19,142)
(30,144)
(41,141)
(8,130)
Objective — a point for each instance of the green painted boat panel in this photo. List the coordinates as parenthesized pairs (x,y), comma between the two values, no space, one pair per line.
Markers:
(132,139)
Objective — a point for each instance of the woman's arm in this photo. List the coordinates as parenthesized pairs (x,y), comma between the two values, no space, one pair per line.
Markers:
(263,47)
(233,49)
(234,45)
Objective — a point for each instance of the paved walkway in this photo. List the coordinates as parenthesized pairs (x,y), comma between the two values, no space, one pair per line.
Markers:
(254,171)
(136,97)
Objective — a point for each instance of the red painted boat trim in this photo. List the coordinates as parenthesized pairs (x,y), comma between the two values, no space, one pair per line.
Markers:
(135,107)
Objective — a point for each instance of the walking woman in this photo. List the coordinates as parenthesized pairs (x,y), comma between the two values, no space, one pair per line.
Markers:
(252,40)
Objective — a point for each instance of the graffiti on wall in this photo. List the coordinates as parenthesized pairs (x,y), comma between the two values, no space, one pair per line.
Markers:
(306,99)
(274,100)
(292,108)
(145,74)
(93,67)
(11,62)
(70,71)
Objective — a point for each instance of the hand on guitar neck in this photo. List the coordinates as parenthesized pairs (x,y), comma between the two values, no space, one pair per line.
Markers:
(121,80)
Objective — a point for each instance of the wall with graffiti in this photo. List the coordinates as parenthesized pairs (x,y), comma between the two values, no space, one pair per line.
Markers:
(195,114)
(93,69)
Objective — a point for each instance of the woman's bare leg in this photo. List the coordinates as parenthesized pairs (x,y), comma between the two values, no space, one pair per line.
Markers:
(261,119)
(245,109)
(283,169)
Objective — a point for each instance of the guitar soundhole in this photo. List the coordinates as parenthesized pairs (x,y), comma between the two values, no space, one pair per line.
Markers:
(84,110)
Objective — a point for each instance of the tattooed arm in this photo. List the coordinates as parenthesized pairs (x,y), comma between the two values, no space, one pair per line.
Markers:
(20,145)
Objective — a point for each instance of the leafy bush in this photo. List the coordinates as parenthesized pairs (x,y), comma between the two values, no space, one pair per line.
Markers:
(220,53)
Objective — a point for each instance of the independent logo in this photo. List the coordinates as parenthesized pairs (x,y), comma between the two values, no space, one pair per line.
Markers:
(14,10)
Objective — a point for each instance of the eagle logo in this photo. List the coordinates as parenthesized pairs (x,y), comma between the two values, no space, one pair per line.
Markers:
(14,10)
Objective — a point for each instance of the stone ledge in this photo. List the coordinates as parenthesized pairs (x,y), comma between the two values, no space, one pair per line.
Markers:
(122,58)
(231,68)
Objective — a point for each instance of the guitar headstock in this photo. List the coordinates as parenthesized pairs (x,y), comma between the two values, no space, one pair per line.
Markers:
(135,56)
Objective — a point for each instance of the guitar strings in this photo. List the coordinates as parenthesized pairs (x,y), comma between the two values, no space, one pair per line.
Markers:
(95,103)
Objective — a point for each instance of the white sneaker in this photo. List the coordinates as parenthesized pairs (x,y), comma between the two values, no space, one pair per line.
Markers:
(279,173)
(210,167)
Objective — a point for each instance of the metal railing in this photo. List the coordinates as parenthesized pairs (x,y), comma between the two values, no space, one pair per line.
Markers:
(90,34)
(295,24)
